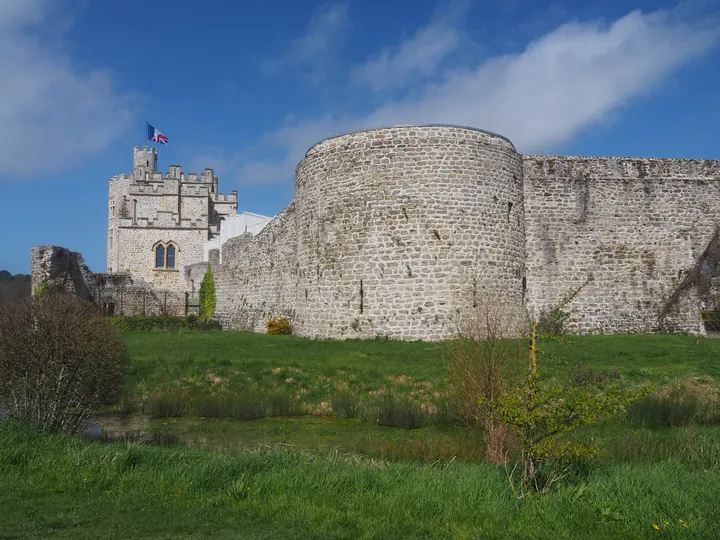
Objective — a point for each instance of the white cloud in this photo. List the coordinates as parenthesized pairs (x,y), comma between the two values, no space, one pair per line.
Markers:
(561,84)
(51,114)
(323,36)
(418,56)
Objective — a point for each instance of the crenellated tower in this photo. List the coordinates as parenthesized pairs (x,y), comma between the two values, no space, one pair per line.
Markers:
(158,223)
(144,162)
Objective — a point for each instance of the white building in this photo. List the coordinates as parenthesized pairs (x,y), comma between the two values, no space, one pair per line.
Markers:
(233,226)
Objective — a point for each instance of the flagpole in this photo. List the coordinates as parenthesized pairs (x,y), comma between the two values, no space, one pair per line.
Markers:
(145,137)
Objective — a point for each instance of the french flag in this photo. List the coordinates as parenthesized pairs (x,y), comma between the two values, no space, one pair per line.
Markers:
(155,136)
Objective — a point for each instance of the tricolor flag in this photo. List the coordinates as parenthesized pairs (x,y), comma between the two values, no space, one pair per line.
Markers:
(155,136)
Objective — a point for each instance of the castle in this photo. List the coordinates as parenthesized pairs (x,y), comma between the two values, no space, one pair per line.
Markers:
(401,231)
(158,224)
(160,231)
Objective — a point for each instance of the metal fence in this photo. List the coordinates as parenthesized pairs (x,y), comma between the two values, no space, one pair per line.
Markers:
(142,301)
(192,303)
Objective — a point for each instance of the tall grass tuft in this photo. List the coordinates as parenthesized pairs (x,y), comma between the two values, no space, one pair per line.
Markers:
(242,406)
(679,404)
(345,405)
(282,404)
(165,406)
(399,412)
(425,450)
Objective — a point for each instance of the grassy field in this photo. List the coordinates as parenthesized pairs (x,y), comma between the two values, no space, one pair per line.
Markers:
(200,364)
(322,473)
(59,487)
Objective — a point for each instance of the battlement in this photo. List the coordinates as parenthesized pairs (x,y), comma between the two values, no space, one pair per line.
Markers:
(224,197)
(145,149)
(121,178)
(620,167)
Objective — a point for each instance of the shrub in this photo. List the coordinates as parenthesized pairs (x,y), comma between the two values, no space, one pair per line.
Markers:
(141,323)
(551,322)
(59,361)
(207,295)
(279,326)
(541,413)
(484,364)
(711,320)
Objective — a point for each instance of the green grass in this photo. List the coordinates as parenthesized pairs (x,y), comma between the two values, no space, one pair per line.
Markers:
(60,487)
(322,475)
(314,372)
(198,365)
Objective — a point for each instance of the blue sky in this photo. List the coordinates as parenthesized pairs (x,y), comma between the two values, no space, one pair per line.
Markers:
(247,87)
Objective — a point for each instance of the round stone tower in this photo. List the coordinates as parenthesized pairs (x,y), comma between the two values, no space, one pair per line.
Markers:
(402,231)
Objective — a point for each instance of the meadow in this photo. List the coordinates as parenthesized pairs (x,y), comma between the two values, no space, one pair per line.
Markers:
(255,436)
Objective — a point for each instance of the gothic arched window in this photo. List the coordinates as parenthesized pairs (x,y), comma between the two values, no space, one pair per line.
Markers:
(160,256)
(165,255)
(170,256)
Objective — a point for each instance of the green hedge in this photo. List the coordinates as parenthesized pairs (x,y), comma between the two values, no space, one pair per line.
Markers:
(140,323)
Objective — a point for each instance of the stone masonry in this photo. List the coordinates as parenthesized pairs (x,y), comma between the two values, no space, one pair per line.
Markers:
(402,231)
(113,293)
(148,209)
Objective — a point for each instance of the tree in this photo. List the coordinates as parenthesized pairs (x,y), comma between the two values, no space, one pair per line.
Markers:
(207,295)
(541,412)
(59,361)
(13,287)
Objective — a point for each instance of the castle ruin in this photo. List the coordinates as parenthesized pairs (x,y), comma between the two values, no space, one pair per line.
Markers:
(399,232)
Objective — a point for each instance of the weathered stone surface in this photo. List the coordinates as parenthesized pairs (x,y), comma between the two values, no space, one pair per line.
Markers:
(398,231)
(147,208)
(633,226)
(113,293)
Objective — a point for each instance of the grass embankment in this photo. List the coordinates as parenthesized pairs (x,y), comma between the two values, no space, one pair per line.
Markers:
(203,376)
(60,487)
(195,365)
(646,475)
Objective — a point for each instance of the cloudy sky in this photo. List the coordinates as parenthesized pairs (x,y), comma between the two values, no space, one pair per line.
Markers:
(246,88)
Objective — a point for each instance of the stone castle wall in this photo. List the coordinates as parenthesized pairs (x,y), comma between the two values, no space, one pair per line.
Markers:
(399,229)
(262,280)
(630,227)
(402,231)
(138,258)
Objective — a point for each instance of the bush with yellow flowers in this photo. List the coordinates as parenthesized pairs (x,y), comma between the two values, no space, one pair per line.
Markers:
(279,326)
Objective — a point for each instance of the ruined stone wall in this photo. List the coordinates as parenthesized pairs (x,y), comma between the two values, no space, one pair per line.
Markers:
(258,278)
(61,268)
(113,293)
(632,226)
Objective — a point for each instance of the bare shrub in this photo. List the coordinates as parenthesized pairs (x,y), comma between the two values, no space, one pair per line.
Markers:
(484,363)
(59,361)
